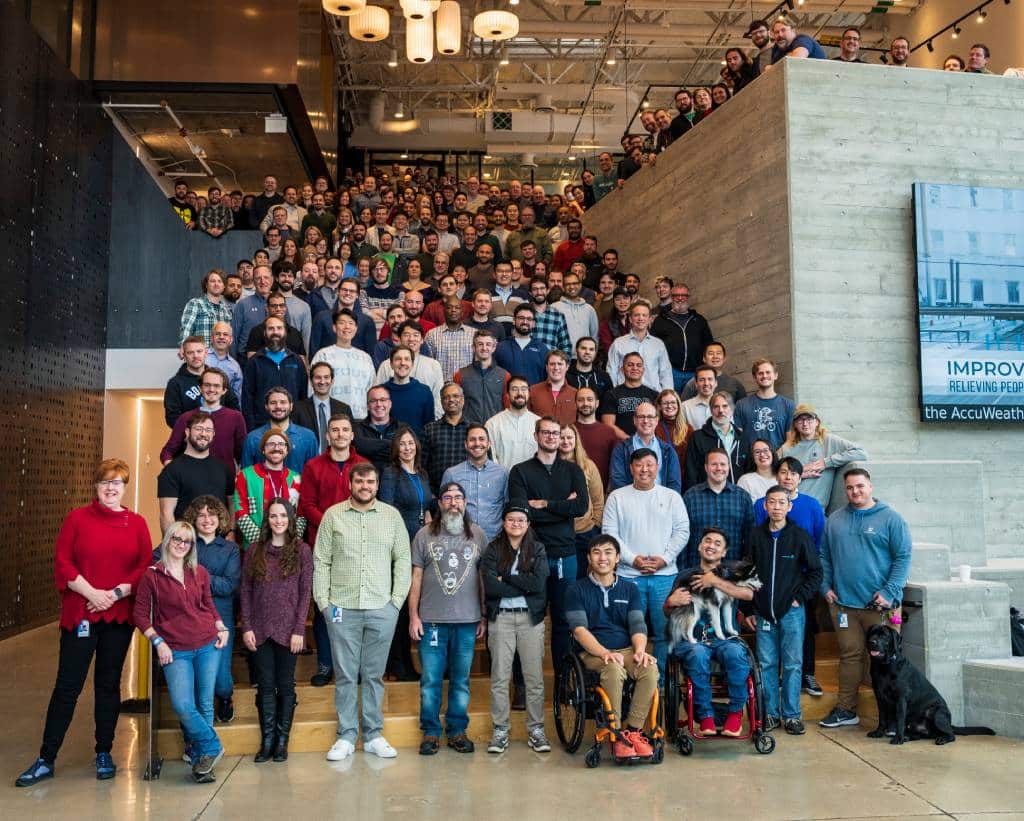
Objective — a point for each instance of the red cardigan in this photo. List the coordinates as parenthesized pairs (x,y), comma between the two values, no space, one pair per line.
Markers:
(183,615)
(323,485)
(106,548)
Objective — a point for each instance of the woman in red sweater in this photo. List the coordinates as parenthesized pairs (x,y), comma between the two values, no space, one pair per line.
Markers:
(174,609)
(102,550)
(277,582)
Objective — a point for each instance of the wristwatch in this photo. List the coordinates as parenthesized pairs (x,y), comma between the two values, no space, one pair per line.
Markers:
(118,594)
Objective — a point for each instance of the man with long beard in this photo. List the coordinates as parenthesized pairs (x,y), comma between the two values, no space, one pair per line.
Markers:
(446,615)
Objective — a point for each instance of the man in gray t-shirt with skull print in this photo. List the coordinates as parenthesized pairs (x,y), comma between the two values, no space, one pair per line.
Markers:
(446,615)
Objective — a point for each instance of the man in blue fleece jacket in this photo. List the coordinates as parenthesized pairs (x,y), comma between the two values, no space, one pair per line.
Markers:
(865,558)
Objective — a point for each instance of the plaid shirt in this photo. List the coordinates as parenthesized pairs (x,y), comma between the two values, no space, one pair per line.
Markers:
(216,216)
(453,349)
(361,560)
(552,331)
(200,315)
(731,510)
(444,445)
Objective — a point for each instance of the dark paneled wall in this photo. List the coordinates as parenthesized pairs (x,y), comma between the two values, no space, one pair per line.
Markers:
(54,216)
(155,264)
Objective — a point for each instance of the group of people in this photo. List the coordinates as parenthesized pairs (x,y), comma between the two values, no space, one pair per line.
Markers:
(437,456)
(775,41)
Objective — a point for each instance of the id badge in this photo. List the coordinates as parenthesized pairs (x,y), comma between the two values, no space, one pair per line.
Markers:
(561,574)
(336,614)
(766,626)
(433,637)
(844,620)
(83,629)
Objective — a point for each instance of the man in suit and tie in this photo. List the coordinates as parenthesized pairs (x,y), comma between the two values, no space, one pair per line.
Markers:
(315,411)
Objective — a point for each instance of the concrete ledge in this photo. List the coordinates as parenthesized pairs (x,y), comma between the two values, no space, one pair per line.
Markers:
(948,623)
(1008,571)
(992,695)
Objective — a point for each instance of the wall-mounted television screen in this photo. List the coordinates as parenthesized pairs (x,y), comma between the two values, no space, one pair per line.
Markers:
(970,276)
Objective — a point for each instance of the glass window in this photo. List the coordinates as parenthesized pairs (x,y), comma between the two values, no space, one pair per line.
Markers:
(977,290)
(940,286)
(1013,292)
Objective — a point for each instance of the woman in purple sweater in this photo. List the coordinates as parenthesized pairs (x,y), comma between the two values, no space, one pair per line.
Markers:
(277,582)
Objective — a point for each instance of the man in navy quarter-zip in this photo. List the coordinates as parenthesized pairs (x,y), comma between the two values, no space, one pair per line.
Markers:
(788,566)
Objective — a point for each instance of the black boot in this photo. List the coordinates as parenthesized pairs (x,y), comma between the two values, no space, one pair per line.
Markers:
(285,713)
(266,706)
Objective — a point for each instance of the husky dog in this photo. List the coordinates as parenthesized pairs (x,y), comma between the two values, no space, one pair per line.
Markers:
(718,605)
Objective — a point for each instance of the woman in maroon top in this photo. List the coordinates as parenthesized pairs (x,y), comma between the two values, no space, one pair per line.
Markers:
(174,609)
(277,582)
(102,550)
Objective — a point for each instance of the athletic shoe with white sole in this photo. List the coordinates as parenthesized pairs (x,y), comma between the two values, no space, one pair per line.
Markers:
(380,748)
(839,718)
(341,750)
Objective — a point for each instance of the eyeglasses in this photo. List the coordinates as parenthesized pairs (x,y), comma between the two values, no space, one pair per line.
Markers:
(203,429)
(762,452)
(111,483)
(452,497)
(548,432)
(519,521)
(275,446)
(646,416)
(680,296)
(181,540)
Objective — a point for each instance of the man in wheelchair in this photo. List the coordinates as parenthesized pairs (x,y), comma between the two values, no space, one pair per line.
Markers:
(606,617)
(696,658)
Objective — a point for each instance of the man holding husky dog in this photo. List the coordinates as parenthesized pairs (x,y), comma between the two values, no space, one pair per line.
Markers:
(788,566)
(729,652)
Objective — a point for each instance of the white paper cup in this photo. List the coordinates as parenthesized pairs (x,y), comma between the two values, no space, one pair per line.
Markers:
(965,572)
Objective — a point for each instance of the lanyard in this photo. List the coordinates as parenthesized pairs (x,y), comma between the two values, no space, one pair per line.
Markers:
(275,493)
(418,484)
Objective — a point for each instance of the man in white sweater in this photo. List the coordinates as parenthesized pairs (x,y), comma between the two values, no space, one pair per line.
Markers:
(511,430)
(650,523)
(353,369)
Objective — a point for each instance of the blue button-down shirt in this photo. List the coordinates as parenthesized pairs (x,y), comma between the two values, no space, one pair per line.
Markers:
(730,510)
(486,491)
(230,366)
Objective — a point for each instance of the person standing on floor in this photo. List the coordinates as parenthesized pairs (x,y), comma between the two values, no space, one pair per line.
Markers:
(276,588)
(445,602)
(514,569)
(361,570)
(174,610)
(102,551)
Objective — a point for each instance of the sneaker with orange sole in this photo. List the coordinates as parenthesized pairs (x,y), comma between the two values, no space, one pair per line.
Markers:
(707,726)
(733,725)
(622,748)
(641,746)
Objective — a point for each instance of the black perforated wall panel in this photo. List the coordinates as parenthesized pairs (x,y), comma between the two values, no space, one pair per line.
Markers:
(55,150)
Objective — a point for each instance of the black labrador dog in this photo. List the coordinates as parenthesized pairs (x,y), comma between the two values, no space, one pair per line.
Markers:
(909,706)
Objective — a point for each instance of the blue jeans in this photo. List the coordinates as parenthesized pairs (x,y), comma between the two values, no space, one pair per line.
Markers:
(653,592)
(783,643)
(323,641)
(696,660)
(446,646)
(190,681)
(225,684)
(562,574)
(680,378)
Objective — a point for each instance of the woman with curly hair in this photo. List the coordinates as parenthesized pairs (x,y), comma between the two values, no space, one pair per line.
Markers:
(277,583)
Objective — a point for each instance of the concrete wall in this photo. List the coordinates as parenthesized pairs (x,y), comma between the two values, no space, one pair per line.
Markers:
(859,136)
(715,216)
(1000,32)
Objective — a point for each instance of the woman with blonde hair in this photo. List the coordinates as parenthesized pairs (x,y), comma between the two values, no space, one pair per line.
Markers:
(174,609)
(819,451)
(672,428)
(570,448)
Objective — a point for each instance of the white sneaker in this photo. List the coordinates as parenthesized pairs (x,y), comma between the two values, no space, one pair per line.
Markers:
(380,748)
(341,750)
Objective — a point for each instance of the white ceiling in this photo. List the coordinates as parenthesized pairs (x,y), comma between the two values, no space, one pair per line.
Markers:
(559,64)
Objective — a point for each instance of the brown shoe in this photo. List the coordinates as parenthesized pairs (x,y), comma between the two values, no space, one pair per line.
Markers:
(429,745)
(461,744)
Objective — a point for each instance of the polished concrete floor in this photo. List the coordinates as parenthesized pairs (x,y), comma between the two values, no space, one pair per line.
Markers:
(823,775)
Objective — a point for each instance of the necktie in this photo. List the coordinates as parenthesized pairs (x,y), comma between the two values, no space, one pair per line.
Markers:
(322,422)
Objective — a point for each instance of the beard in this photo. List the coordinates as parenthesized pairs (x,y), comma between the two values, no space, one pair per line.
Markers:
(453,523)
(275,344)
